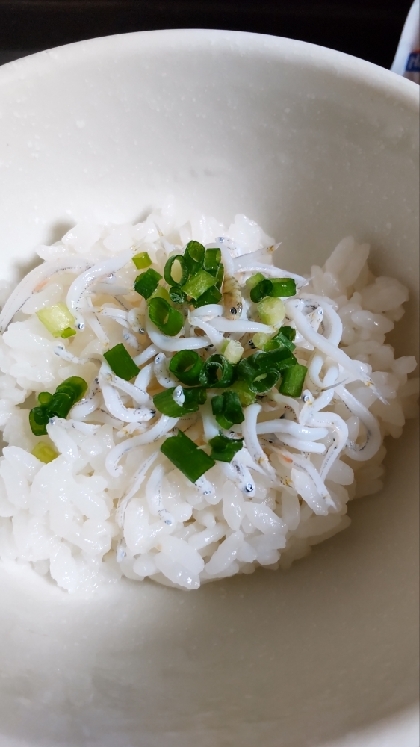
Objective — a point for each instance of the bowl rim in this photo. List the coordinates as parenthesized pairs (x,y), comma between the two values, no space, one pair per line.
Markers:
(278,48)
(331,62)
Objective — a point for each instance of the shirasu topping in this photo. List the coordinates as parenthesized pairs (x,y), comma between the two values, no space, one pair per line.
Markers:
(221,358)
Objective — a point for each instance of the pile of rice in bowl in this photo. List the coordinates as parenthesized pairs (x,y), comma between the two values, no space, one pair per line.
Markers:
(177,407)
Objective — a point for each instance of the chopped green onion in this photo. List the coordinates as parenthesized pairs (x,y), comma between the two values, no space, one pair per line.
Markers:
(165,403)
(74,387)
(281,358)
(262,371)
(260,340)
(293,380)
(167,319)
(68,332)
(212,295)
(186,366)
(65,396)
(283,287)
(254,280)
(261,290)
(246,396)
(223,449)
(249,367)
(273,288)
(142,260)
(194,256)
(58,320)
(283,338)
(44,452)
(177,295)
(38,420)
(121,362)
(216,372)
(227,409)
(288,332)
(162,292)
(212,260)
(263,381)
(198,284)
(146,283)
(177,275)
(271,311)
(232,350)
(186,456)
(58,404)
(44,398)
(218,280)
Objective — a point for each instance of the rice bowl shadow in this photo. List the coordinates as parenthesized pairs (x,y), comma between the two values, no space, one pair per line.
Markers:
(120,657)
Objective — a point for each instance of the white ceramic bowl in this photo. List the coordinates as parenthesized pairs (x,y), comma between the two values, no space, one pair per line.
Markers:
(313,145)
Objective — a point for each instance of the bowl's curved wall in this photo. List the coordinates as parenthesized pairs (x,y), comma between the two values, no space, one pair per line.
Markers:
(313,145)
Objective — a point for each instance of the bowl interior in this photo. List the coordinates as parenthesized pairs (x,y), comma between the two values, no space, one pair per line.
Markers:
(314,146)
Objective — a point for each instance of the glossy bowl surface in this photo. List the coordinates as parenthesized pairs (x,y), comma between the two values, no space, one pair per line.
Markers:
(313,145)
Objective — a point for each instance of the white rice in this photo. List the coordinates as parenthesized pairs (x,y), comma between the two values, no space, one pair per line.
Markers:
(89,517)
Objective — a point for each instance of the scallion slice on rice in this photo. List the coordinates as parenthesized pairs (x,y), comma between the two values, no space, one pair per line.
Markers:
(58,320)
(227,409)
(223,449)
(245,394)
(260,290)
(198,284)
(186,456)
(44,452)
(168,320)
(283,338)
(212,295)
(271,311)
(293,380)
(194,256)
(261,371)
(59,404)
(178,265)
(142,260)
(186,366)
(121,362)
(282,287)
(167,404)
(216,372)
(177,295)
(212,260)
(232,350)
(146,283)
(254,280)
